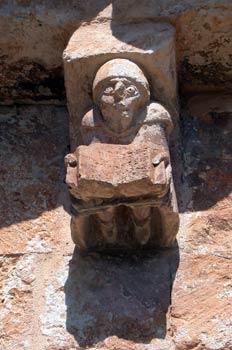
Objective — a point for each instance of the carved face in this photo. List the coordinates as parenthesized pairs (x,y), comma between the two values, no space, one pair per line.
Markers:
(119,101)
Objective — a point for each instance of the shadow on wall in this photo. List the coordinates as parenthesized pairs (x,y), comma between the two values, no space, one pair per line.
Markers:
(206,124)
(124,296)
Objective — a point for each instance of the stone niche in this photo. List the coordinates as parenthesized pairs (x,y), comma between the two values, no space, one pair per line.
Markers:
(150,45)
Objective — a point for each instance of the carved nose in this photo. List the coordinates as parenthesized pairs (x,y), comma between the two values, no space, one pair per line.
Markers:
(119,89)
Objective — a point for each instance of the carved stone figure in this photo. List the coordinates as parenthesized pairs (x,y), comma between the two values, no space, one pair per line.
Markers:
(120,180)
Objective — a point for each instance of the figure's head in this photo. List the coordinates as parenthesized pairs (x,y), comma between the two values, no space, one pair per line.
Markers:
(120,89)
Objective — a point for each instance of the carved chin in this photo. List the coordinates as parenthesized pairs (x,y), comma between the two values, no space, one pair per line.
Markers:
(122,124)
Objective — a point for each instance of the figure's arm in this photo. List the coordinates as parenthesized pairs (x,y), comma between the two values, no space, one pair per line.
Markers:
(155,130)
(72,179)
(158,115)
(71,163)
(89,133)
(90,127)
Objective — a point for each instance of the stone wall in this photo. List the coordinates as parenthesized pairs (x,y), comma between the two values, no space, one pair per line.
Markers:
(53,298)
(36,33)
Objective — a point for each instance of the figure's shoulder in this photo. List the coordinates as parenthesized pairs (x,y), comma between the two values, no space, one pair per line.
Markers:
(155,110)
(88,119)
(91,119)
(156,113)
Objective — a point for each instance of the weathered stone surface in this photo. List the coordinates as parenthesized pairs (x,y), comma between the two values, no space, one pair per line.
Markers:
(92,46)
(33,142)
(207,144)
(35,36)
(201,303)
(32,68)
(33,313)
(129,300)
(207,233)
(85,308)
(106,171)
(207,151)
(34,221)
(16,293)
(120,179)
(205,66)
(52,319)
(201,297)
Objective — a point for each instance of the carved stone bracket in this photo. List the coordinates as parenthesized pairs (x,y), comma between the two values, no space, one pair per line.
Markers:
(119,175)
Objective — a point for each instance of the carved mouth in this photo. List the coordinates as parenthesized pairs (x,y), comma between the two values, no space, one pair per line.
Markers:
(121,108)
(126,115)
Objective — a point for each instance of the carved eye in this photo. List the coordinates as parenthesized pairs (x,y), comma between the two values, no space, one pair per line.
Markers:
(132,91)
(109,90)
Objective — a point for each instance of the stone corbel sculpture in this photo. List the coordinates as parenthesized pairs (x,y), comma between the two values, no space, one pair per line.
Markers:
(120,180)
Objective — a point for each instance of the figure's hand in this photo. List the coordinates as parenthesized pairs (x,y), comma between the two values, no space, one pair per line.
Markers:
(162,170)
(71,171)
(161,157)
(70,160)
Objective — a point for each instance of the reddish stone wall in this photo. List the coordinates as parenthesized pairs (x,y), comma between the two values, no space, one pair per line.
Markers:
(35,35)
(53,298)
